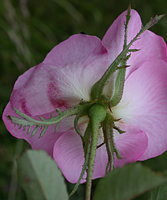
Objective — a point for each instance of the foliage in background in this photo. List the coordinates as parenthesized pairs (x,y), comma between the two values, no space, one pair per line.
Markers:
(29,29)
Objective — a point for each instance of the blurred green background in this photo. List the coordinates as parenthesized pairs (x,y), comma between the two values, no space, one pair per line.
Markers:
(29,29)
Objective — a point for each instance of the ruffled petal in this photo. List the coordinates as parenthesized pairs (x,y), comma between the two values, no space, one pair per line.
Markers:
(143,105)
(46,142)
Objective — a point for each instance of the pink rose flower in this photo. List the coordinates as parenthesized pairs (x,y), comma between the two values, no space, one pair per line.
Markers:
(66,77)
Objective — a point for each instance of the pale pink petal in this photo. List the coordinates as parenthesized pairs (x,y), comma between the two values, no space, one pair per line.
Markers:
(69,156)
(144,105)
(46,142)
(80,61)
(131,145)
(76,49)
(75,81)
(149,44)
(75,65)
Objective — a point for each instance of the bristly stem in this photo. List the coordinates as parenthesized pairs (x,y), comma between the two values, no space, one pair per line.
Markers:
(92,154)
(97,114)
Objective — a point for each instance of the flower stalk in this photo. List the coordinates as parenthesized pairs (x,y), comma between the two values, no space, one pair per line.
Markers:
(97,114)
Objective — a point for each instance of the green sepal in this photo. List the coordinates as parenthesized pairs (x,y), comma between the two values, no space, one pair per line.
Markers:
(76,125)
(109,141)
(86,145)
(118,129)
(134,50)
(119,87)
(97,88)
(24,121)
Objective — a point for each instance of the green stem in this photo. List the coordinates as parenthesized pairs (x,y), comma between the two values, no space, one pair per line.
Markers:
(97,114)
(92,154)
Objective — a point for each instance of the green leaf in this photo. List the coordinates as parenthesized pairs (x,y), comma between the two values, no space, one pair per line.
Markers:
(159,193)
(128,182)
(40,177)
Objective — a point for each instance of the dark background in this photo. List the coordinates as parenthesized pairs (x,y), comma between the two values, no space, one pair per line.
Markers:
(29,29)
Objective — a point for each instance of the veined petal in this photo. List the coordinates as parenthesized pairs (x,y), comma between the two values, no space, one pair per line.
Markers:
(144,105)
(75,82)
(80,61)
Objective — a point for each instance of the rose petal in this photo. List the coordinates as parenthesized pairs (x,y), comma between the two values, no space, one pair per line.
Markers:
(35,91)
(76,49)
(83,60)
(144,105)
(151,46)
(69,156)
(131,145)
